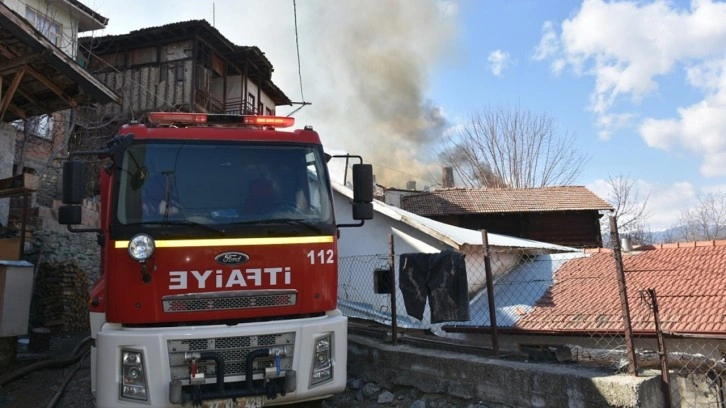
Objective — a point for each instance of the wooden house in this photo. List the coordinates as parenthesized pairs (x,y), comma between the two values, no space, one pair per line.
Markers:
(567,215)
(185,66)
(41,82)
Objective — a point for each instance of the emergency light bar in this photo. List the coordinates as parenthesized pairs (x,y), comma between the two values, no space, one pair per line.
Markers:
(196,119)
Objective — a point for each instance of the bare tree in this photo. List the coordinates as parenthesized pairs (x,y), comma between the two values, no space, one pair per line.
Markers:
(707,220)
(669,235)
(630,209)
(511,147)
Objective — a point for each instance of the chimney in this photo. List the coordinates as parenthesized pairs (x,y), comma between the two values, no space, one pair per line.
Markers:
(447,178)
(411,185)
(626,244)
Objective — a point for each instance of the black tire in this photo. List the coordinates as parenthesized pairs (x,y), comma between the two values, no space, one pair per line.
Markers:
(309,404)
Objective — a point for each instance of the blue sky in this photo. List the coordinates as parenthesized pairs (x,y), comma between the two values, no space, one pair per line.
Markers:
(641,84)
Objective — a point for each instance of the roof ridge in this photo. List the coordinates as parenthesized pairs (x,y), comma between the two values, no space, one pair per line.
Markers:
(504,188)
(688,244)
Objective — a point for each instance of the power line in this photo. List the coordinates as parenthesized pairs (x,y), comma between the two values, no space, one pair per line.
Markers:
(297,47)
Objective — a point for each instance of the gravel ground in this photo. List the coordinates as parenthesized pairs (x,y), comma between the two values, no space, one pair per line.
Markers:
(44,387)
(41,387)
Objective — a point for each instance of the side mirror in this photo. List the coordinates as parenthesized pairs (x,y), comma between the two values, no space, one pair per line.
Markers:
(74,178)
(362,192)
(73,189)
(70,214)
(362,211)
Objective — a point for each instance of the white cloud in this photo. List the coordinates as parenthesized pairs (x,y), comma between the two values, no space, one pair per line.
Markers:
(666,203)
(549,44)
(612,121)
(629,46)
(499,61)
(701,127)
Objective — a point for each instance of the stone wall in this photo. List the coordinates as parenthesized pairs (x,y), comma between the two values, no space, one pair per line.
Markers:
(55,246)
(52,242)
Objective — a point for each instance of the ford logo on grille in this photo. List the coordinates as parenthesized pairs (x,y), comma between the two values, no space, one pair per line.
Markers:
(231,258)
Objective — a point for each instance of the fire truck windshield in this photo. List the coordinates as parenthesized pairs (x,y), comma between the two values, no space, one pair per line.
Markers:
(223,185)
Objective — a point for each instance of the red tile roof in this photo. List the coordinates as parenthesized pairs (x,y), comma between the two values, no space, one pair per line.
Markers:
(466,200)
(689,281)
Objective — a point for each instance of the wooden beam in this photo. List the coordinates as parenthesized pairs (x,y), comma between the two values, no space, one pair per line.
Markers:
(53,87)
(11,92)
(12,64)
(27,95)
(5,51)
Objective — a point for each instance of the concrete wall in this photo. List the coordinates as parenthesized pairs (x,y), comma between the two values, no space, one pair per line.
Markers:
(498,383)
(7,157)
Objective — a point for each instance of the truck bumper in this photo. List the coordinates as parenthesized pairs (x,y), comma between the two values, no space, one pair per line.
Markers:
(164,367)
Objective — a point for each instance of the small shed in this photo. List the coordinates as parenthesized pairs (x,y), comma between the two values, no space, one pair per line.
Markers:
(565,215)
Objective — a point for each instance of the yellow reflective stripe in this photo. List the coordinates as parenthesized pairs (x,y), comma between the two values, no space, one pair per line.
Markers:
(234,241)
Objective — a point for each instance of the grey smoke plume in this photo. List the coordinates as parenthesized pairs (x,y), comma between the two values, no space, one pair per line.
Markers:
(365,67)
(365,70)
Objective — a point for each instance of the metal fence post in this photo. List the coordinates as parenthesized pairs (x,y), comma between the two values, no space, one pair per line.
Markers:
(662,352)
(490,293)
(392,285)
(624,306)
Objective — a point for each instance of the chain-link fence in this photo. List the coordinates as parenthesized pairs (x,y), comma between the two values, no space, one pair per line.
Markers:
(550,303)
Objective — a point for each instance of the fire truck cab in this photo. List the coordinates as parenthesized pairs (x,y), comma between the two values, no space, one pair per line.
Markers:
(218,276)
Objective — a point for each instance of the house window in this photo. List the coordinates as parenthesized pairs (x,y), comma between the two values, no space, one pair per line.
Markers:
(269,112)
(260,108)
(38,126)
(179,72)
(43,127)
(164,72)
(173,70)
(50,28)
(250,103)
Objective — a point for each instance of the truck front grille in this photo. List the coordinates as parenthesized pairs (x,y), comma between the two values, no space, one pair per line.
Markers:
(245,299)
(234,351)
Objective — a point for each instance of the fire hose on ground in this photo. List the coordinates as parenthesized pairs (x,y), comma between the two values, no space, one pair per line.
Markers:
(78,353)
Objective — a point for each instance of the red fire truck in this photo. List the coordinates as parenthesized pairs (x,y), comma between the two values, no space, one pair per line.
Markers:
(218,282)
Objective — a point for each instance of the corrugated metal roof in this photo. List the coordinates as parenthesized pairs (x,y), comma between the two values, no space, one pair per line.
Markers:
(516,292)
(467,201)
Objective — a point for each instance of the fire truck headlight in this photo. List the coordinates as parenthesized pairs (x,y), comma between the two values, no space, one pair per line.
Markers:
(133,376)
(322,369)
(141,247)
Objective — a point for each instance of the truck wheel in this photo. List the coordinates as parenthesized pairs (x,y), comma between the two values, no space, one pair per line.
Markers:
(310,404)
